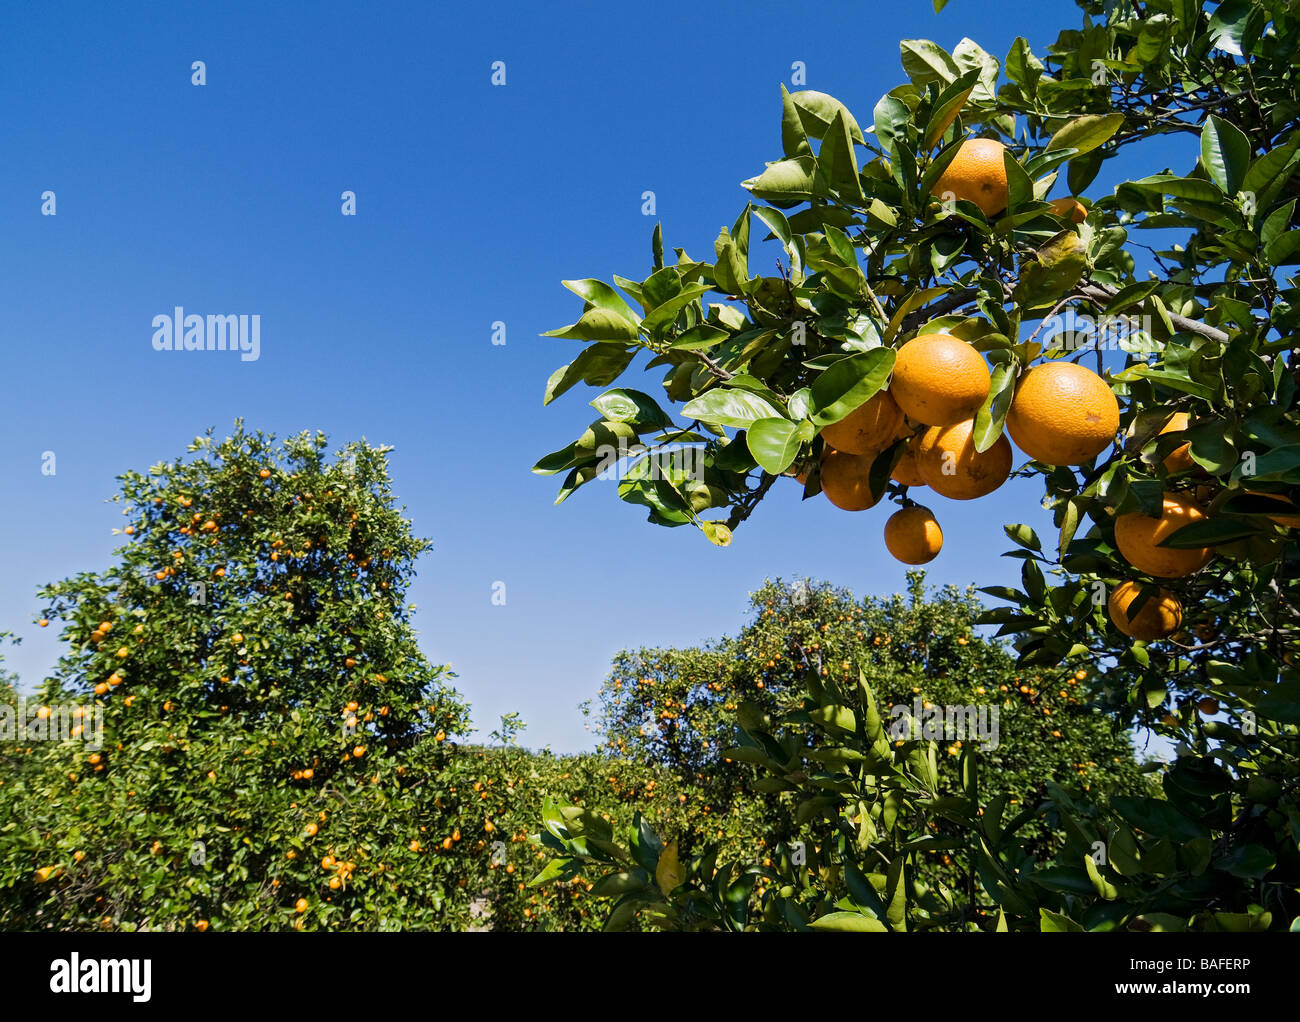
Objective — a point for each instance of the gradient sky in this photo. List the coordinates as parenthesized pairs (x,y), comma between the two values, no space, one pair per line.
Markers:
(474,202)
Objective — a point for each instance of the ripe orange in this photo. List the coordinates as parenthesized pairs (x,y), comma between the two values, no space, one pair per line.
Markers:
(1062,414)
(44,622)
(952,467)
(1070,209)
(264,474)
(358,751)
(845,480)
(1208,706)
(1138,536)
(1290,519)
(907,472)
(913,536)
(310,830)
(976,174)
(300,906)
(335,883)
(939,380)
(866,429)
(1180,458)
(1159,618)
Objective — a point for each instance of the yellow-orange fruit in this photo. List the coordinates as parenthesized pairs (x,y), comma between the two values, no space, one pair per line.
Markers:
(939,380)
(1062,414)
(1159,617)
(907,472)
(869,427)
(976,174)
(913,536)
(1180,458)
(1070,209)
(844,480)
(1138,536)
(952,467)
(1290,517)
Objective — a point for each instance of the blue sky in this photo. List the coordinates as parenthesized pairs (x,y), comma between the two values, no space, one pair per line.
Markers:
(473,203)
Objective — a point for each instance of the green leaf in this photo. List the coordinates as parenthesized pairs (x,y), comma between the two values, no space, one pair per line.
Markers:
(896,894)
(838,164)
(1104,887)
(850,383)
(1270,171)
(1086,133)
(1054,922)
(1227,25)
(726,407)
(992,415)
(1250,862)
(598,324)
(817,111)
(793,180)
(927,62)
(663,314)
(631,406)
(849,922)
(597,366)
(774,442)
(794,139)
(601,295)
(1225,153)
(948,105)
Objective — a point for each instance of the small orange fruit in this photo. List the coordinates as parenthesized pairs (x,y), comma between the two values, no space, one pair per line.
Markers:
(300,906)
(1159,617)
(1180,458)
(868,428)
(1062,414)
(939,380)
(907,472)
(1138,536)
(1069,208)
(952,467)
(976,174)
(913,536)
(845,480)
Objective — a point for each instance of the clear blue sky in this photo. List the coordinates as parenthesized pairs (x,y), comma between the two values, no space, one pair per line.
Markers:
(473,203)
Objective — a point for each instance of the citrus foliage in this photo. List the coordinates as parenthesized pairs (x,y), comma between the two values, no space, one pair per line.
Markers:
(897,234)
(276,750)
(683,707)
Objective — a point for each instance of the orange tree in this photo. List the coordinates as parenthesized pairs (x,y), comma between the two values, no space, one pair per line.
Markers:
(916,319)
(679,707)
(274,745)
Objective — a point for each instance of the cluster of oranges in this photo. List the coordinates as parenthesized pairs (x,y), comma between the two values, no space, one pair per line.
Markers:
(1061,414)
